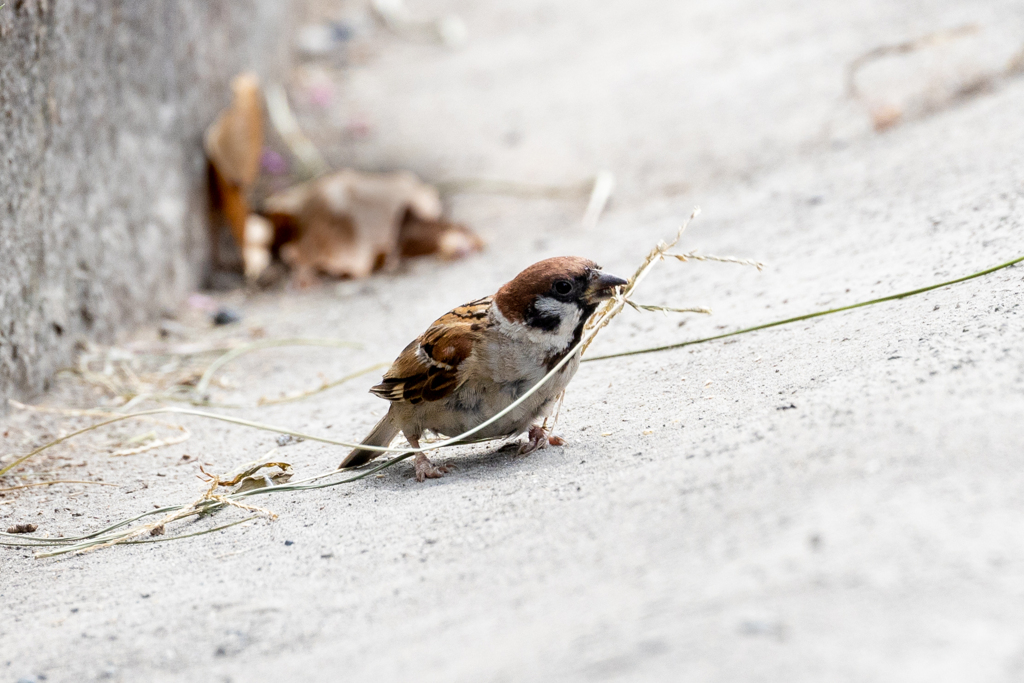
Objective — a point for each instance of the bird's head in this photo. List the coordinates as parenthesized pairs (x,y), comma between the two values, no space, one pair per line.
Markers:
(556,292)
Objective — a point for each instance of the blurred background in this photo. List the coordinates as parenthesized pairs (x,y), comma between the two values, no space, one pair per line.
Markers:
(672,96)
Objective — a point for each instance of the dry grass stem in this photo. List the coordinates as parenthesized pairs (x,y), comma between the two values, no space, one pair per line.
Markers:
(558,413)
(156,443)
(206,503)
(614,306)
(810,316)
(242,506)
(51,483)
(191,535)
(183,411)
(667,309)
(141,530)
(694,256)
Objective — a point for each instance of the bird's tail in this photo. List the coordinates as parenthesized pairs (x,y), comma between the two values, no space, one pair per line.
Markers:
(381,435)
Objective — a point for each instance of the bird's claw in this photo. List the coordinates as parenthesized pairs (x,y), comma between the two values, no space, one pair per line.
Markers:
(537,438)
(428,470)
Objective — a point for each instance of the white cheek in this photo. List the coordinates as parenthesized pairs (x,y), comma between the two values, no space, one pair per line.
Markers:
(568,313)
(552,341)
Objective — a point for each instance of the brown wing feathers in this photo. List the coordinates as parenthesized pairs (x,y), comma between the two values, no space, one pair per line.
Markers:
(427,370)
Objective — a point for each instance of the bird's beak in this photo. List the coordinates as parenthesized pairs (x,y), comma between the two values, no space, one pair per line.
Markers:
(601,286)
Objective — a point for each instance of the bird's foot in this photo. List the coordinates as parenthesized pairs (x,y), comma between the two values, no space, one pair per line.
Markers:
(537,438)
(426,469)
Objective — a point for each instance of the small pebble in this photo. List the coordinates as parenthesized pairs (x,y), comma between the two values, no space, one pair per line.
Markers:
(21,529)
(172,328)
(225,316)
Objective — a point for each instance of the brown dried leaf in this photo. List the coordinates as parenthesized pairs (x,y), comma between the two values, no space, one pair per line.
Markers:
(234,204)
(449,241)
(235,140)
(233,144)
(21,529)
(348,223)
(259,481)
(245,471)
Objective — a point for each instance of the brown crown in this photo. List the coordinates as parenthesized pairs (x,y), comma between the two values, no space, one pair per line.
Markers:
(515,296)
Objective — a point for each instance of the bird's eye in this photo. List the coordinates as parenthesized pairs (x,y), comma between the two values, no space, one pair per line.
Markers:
(563,287)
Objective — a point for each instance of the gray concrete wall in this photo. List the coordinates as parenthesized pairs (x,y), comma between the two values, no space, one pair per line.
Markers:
(102,185)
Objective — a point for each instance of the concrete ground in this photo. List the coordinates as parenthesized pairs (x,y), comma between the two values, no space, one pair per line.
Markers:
(839,499)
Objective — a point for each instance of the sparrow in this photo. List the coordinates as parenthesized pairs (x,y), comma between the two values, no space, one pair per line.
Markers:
(474,361)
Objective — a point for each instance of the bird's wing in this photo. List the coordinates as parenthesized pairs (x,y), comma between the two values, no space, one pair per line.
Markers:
(428,368)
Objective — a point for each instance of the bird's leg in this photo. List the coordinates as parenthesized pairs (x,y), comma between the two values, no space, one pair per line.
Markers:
(424,468)
(538,438)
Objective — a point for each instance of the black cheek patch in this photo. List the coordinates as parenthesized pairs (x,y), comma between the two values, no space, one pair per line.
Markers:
(577,335)
(542,321)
